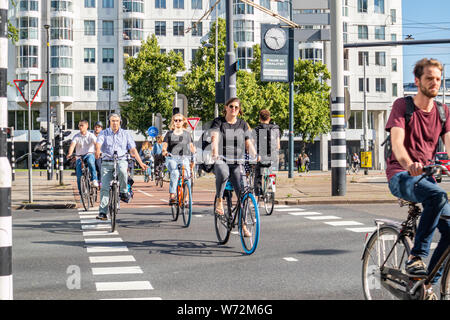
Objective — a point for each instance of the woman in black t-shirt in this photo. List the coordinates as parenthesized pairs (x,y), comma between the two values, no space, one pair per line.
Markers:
(178,143)
(231,137)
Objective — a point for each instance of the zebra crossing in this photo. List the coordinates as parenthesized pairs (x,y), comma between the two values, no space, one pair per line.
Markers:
(109,257)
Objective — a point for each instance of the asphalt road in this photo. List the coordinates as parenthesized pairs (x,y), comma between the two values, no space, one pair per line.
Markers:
(55,256)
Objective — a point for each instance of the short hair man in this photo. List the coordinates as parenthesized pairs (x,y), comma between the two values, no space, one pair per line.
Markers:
(413,144)
(84,142)
(115,139)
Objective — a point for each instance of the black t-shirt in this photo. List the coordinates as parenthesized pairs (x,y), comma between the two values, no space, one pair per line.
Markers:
(266,137)
(232,137)
(178,145)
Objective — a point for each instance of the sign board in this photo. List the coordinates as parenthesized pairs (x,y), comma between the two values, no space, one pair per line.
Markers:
(366,159)
(152,132)
(193,122)
(22,86)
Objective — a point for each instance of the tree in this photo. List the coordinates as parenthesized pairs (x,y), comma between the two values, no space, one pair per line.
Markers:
(151,77)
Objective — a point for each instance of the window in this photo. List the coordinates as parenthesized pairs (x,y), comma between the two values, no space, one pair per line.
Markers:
(178,28)
(361,84)
(28,28)
(89,3)
(363,32)
(27,56)
(196,4)
(61,84)
(133,29)
(362,6)
(108,3)
(179,51)
(395,90)
(393,16)
(345,31)
(60,5)
(283,8)
(19,119)
(108,55)
(380,58)
(73,117)
(393,37)
(28,5)
(265,3)
(89,27)
(394,64)
(380,84)
(379,6)
(244,56)
(61,28)
(160,4)
(194,53)
(61,56)
(178,4)
(160,28)
(108,28)
(130,51)
(89,83)
(89,55)
(133,6)
(380,32)
(361,56)
(240,7)
(108,82)
(244,30)
(197,30)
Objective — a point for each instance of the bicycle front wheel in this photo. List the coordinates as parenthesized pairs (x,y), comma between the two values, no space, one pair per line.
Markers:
(445,282)
(186,207)
(249,223)
(113,205)
(223,223)
(84,186)
(383,247)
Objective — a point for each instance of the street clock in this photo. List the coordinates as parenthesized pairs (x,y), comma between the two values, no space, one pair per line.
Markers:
(275,38)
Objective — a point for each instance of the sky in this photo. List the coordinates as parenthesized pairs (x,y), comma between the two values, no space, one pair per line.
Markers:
(425,20)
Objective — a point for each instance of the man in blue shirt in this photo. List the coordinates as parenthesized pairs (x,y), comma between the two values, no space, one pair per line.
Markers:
(114,139)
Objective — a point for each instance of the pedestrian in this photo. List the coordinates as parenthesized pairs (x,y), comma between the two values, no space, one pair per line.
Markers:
(306,162)
(115,139)
(299,162)
(413,144)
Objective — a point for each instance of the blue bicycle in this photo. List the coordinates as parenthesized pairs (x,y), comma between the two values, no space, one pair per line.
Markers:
(247,213)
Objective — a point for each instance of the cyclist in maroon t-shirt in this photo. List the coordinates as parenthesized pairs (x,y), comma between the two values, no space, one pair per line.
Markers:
(413,145)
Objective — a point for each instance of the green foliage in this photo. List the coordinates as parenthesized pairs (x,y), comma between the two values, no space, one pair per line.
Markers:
(151,77)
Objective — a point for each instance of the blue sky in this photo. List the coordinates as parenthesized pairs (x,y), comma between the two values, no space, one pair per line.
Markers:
(425,20)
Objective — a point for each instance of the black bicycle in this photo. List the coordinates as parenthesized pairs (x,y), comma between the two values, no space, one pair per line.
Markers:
(114,187)
(385,253)
(88,193)
(268,189)
(245,214)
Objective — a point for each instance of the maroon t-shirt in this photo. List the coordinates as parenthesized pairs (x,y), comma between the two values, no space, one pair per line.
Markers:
(421,134)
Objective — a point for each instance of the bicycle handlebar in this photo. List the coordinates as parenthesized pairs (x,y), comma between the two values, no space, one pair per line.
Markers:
(252,159)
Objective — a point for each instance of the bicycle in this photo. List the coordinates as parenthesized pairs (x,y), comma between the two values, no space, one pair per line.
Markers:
(148,174)
(355,167)
(388,248)
(268,190)
(245,211)
(159,174)
(114,198)
(183,200)
(88,193)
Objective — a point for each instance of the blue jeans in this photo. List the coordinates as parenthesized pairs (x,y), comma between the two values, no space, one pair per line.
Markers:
(90,159)
(434,202)
(107,176)
(172,167)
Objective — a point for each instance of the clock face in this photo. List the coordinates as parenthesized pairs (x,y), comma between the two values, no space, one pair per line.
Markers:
(275,38)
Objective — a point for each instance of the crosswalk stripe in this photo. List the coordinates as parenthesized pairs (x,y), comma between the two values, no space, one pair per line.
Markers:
(88,216)
(323,218)
(290,209)
(116,270)
(88,221)
(102,240)
(344,223)
(143,298)
(290,259)
(305,213)
(100,233)
(111,259)
(125,285)
(94,249)
(95,226)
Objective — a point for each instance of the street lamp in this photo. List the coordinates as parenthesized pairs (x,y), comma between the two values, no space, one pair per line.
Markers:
(49,160)
(216,71)
(109,98)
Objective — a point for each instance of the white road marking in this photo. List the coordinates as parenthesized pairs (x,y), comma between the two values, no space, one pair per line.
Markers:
(111,259)
(102,240)
(125,285)
(147,194)
(95,226)
(94,249)
(100,233)
(323,218)
(305,213)
(290,209)
(145,298)
(116,270)
(87,221)
(344,223)
(290,259)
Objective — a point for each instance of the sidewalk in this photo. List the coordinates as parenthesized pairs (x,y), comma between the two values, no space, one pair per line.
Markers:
(305,188)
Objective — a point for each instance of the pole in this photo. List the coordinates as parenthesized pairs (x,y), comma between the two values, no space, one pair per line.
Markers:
(30,153)
(61,155)
(216,72)
(338,140)
(6,280)
(13,155)
(49,142)
(366,129)
(291,102)
(230,75)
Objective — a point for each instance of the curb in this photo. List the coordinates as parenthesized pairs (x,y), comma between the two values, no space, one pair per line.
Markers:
(68,205)
(342,201)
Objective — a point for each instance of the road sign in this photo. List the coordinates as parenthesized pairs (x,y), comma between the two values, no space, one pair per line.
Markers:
(22,86)
(153,132)
(366,159)
(193,122)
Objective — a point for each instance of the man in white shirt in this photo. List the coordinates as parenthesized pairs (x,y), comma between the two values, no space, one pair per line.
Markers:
(84,142)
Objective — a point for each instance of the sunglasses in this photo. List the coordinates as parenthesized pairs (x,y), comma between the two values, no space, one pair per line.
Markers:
(177,120)
(233,106)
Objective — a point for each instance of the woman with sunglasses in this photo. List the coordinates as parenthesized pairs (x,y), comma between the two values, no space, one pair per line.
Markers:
(177,146)
(231,137)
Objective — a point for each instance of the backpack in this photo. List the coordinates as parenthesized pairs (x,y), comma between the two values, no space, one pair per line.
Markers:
(408,114)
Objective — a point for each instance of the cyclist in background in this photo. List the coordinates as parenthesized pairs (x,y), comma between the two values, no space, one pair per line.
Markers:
(355,160)
(84,144)
(146,153)
(98,127)
(267,146)
(110,140)
(158,158)
(177,142)
(413,144)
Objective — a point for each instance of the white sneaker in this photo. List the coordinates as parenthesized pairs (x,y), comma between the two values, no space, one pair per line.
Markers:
(95,184)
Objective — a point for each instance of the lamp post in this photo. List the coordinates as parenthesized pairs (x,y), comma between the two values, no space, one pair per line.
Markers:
(109,98)
(216,72)
(49,159)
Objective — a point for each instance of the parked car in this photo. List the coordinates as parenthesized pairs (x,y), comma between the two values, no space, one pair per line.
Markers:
(442,157)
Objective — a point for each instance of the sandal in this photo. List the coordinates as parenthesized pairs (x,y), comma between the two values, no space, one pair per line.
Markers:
(219,210)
